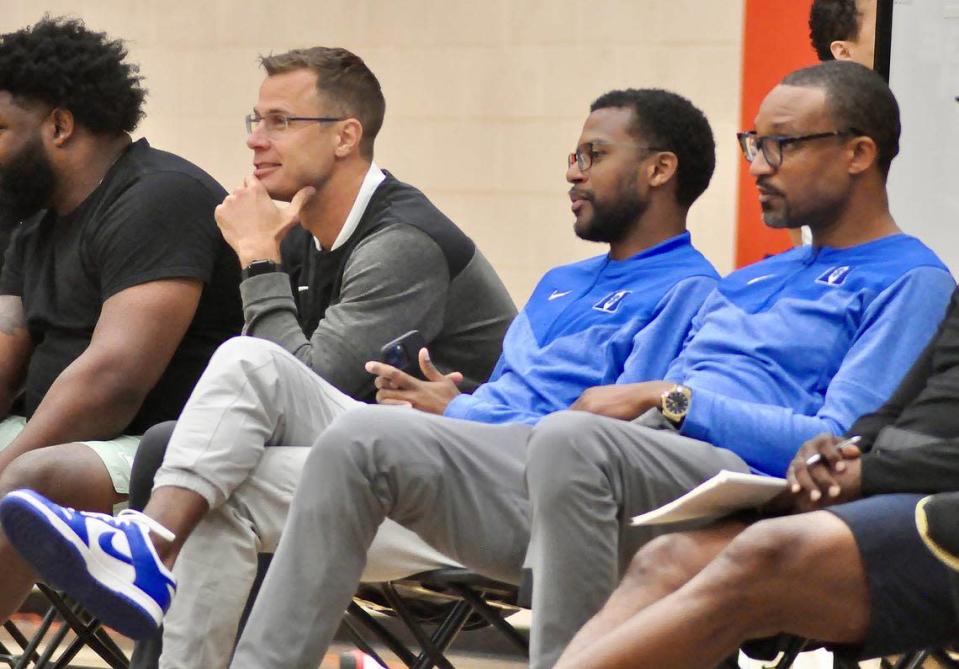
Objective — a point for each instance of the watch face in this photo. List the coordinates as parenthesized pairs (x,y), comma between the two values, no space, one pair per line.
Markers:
(676,403)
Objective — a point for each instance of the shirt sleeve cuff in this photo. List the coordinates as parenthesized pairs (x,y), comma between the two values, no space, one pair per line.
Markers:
(265,286)
(459,407)
(698,418)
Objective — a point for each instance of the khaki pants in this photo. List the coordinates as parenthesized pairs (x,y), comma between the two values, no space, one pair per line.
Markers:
(241,442)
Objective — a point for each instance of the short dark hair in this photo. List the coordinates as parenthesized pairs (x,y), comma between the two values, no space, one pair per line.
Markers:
(59,62)
(856,98)
(831,20)
(672,123)
(344,78)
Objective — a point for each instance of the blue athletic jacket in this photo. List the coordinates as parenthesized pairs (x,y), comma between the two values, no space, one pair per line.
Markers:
(806,342)
(592,323)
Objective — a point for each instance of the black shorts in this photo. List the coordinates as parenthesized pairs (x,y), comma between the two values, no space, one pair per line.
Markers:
(910,595)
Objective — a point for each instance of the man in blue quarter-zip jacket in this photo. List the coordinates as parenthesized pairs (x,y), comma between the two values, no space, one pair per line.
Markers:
(643,158)
(597,321)
(795,345)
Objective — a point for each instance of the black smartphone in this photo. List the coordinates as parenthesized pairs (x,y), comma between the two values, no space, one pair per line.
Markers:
(403,353)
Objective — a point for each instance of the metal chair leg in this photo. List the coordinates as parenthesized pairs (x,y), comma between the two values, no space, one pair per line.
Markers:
(491,616)
(356,612)
(428,649)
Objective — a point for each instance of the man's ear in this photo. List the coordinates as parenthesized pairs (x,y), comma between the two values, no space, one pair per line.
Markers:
(61,126)
(840,50)
(349,137)
(863,154)
(662,168)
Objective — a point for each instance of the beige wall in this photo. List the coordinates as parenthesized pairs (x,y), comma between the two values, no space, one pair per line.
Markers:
(484,99)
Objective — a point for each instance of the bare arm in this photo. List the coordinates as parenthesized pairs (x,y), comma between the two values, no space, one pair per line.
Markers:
(100,392)
(15,348)
(625,401)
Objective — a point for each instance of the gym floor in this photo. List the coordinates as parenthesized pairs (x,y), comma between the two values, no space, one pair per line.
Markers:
(27,623)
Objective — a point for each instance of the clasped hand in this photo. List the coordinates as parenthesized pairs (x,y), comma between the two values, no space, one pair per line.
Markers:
(834,477)
(394,386)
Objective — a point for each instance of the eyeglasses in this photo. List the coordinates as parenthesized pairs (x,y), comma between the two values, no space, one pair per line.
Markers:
(771,146)
(584,156)
(273,124)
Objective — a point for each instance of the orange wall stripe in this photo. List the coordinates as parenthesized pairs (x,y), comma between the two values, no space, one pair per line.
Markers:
(775,42)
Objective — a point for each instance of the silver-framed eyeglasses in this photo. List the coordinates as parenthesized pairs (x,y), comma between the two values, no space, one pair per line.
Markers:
(273,124)
(585,155)
(771,146)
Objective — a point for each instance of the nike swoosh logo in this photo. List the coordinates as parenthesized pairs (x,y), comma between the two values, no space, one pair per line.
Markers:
(105,541)
(759,278)
(555,295)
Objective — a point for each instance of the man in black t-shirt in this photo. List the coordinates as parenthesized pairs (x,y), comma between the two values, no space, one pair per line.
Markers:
(117,286)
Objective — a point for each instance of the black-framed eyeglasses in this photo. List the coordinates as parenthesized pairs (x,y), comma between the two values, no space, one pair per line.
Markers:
(584,156)
(277,123)
(771,146)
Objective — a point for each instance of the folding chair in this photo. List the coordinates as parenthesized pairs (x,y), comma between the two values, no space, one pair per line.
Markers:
(448,600)
(87,632)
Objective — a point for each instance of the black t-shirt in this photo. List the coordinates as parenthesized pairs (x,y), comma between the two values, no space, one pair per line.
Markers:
(150,218)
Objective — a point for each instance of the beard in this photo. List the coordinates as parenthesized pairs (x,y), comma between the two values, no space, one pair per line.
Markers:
(612,220)
(791,216)
(780,220)
(27,183)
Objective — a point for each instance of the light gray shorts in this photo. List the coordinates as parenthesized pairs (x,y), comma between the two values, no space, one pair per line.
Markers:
(116,454)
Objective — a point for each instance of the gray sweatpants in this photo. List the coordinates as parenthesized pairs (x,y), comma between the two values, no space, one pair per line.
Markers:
(460,486)
(587,476)
(241,442)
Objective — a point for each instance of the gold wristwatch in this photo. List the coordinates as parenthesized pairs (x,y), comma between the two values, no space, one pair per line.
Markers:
(674,403)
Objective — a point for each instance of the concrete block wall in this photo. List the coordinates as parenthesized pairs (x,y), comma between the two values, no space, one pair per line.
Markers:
(484,98)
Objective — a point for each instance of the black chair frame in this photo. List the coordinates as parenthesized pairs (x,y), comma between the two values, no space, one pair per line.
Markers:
(86,629)
(470,601)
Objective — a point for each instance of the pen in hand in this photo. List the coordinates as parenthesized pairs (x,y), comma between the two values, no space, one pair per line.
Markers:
(816,458)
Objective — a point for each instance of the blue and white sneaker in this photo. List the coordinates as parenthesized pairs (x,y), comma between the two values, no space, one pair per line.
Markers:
(106,563)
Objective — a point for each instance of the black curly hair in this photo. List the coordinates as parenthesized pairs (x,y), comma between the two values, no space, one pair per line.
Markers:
(831,20)
(60,62)
(671,122)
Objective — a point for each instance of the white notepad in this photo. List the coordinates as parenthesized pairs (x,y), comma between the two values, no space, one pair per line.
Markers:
(721,495)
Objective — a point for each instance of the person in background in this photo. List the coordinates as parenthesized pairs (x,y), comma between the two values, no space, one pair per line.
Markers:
(844,30)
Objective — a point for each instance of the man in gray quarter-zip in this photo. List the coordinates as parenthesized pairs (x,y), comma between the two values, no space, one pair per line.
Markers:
(371,259)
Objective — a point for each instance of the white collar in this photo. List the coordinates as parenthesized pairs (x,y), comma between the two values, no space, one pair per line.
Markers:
(374,177)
